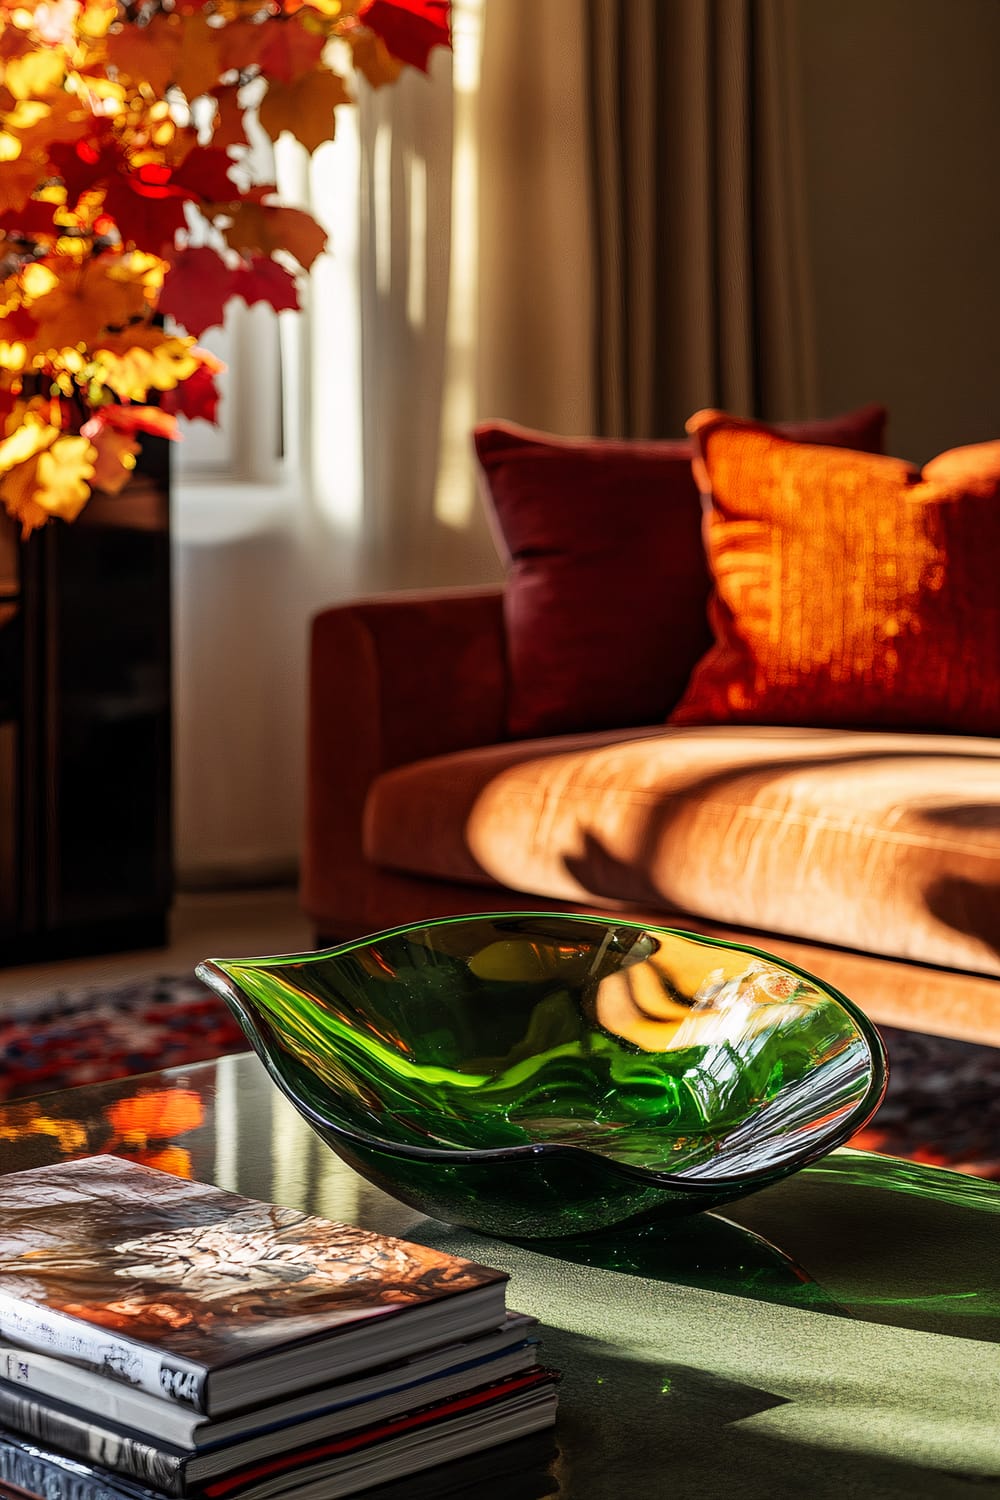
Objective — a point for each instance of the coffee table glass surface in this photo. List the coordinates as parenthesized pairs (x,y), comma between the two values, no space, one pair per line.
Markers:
(835,1334)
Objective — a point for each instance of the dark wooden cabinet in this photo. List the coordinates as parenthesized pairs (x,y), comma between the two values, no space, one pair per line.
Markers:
(85,726)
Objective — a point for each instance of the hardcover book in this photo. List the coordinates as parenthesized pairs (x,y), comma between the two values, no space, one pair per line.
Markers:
(213,1300)
(77,1389)
(516,1470)
(148,1453)
(378,1435)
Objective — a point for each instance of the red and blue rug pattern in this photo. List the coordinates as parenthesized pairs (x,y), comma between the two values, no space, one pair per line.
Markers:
(942,1107)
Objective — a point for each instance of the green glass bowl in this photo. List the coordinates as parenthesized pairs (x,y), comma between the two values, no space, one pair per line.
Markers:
(548,1074)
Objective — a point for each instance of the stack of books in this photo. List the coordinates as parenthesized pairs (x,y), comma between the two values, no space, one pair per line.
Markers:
(164,1337)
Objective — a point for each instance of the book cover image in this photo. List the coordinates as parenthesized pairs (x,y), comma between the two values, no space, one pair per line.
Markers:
(194,1271)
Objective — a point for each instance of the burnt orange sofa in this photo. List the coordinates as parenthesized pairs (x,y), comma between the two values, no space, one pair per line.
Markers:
(870,857)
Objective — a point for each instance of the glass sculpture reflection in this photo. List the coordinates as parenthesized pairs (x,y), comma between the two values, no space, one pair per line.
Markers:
(542,1074)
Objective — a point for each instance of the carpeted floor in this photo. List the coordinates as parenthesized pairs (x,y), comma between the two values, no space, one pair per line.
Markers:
(943,1104)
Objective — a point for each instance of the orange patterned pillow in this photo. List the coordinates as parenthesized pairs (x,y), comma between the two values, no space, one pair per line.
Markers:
(849,590)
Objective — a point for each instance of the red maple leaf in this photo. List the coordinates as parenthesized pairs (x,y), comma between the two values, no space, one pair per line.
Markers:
(289,50)
(196,289)
(87,163)
(18,324)
(262,280)
(148,215)
(131,419)
(33,218)
(409,28)
(198,396)
(204,174)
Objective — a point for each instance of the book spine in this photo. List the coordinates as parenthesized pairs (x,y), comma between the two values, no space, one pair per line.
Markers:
(59,1478)
(50,1332)
(42,1375)
(96,1445)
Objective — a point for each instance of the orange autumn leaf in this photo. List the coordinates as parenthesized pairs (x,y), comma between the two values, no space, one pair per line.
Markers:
(239,46)
(18,180)
(41,124)
(372,58)
(115,458)
(73,303)
(13,43)
(305,109)
(199,66)
(266,227)
(147,54)
(229,129)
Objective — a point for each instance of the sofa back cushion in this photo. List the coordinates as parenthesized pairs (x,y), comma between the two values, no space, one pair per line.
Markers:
(850,590)
(605,605)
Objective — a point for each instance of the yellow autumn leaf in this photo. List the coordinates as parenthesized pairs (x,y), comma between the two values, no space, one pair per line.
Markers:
(38,281)
(64,474)
(139,267)
(54,482)
(96,18)
(17,491)
(131,373)
(304,107)
(37,73)
(30,435)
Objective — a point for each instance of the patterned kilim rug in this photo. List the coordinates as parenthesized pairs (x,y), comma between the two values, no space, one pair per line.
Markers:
(943,1104)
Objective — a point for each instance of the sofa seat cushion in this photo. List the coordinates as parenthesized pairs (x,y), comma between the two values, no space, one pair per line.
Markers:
(883,842)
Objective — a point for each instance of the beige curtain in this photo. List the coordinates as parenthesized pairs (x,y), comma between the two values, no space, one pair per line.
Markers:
(643,239)
(537,263)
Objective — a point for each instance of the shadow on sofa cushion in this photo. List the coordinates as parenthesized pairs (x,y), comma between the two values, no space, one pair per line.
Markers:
(833,836)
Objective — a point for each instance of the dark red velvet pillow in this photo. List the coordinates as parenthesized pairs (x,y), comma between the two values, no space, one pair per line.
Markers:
(606,594)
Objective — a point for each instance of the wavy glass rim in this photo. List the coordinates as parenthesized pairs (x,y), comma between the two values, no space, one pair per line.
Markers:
(217,978)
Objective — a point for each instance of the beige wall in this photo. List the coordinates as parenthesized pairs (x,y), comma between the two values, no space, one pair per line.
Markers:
(901,119)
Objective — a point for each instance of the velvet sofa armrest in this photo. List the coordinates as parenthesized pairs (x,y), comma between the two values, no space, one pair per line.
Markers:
(391,680)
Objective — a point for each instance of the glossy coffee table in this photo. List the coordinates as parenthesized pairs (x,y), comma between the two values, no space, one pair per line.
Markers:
(835,1335)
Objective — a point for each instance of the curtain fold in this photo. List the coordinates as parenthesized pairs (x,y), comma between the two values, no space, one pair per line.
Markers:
(655,153)
(694,143)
